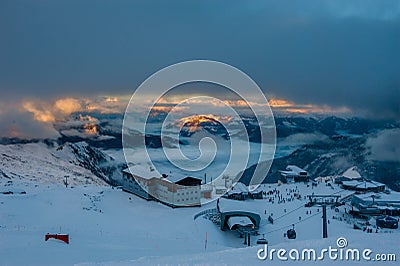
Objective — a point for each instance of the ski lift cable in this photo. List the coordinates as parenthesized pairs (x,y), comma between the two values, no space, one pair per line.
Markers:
(294,211)
(303,206)
(289,212)
(285,227)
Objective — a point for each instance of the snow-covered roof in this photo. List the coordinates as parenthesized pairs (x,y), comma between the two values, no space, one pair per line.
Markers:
(206,187)
(256,189)
(352,173)
(324,178)
(174,178)
(228,205)
(140,171)
(239,220)
(147,173)
(386,207)
(238,189)
(362,184)
(380,197)
(293,170)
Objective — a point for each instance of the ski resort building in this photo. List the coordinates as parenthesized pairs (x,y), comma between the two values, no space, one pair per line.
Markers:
(350,174)
(241,192)
(294,173)
(377,203)
(363,186)
(172,190)
(135,179)
(238,192)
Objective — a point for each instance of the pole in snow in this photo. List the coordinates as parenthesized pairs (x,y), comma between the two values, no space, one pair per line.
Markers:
(324,225)
(205,245)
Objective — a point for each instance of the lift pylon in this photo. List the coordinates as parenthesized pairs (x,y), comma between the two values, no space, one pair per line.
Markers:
(323,201)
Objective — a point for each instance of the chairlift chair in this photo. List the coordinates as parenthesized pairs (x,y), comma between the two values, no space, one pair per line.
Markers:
(291,233)
(262,241)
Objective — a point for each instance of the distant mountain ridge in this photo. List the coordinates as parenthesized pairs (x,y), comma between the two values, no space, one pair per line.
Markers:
(207,123)
(330,126)
(344,143)
(333,157)
(108,129)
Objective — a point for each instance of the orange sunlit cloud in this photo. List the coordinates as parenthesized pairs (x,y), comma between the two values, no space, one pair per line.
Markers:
(88,119)
(90,124)
(49,113)
(285,106)
(111,99)
(107,104)
(40,113)
(279,103)
(156,110)
(62,107)
(91,129)
(237,103)
(68,105)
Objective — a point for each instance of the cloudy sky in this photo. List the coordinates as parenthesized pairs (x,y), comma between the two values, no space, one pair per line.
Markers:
(341,55)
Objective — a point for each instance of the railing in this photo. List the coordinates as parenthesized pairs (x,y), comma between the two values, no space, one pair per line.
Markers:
(208,211)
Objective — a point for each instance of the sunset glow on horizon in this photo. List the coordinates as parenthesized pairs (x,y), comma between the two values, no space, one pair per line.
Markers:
(49,112)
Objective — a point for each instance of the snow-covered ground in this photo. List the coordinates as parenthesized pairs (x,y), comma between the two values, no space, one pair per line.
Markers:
(109,226)
(104,224)
(248,255)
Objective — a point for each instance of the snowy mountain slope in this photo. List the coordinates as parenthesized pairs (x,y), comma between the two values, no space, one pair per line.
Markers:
(108,226)
(77,162)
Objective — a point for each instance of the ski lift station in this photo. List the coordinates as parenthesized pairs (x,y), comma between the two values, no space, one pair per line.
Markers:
(238,215)
(293,173)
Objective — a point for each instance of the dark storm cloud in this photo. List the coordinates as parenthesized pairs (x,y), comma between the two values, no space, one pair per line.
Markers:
(339,53)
